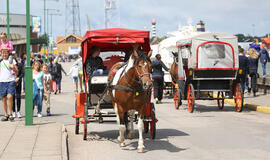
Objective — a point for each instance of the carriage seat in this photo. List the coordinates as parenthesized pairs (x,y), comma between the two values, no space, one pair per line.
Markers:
(110,61)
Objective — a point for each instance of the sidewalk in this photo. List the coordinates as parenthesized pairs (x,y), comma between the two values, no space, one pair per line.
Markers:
(260,99)
(37,142)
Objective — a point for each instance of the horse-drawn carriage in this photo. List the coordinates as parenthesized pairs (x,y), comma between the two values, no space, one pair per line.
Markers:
(124,87)
(208,63)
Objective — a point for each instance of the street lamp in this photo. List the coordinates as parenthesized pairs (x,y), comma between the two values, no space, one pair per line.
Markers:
(45,13)
(8,26)
(47,19)
(53,14)
(28,73)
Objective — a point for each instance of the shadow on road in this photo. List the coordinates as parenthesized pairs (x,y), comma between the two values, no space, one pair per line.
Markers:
(160,143)
(203,108)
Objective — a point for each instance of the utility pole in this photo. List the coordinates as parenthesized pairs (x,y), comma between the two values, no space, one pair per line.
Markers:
(8,26)
(72,17)
(28,73)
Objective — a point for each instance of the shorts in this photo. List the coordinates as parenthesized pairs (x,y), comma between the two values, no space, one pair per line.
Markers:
(7,88)
(75,80)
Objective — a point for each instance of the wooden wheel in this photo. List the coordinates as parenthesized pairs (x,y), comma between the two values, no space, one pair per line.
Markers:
(238,97)
(77,120)
(153,122)
(85,122)
(220,100)
(190,98)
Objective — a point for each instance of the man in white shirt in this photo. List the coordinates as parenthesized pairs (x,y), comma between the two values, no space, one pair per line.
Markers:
(8,71)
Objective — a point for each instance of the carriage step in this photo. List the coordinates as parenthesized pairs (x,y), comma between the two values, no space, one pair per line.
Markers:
(76,116)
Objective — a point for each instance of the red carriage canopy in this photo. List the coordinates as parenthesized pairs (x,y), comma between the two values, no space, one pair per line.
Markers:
(114,39)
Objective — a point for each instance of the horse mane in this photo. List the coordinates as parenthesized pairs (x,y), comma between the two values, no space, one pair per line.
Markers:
(142,56)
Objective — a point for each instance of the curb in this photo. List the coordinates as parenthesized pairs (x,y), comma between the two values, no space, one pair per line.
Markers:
(65,152)
(250,106)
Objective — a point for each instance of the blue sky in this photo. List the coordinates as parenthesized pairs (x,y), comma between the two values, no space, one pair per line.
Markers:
(232,16)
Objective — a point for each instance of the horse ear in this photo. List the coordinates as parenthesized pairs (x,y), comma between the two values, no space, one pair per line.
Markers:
(174,54)
(150,53)
(135,54)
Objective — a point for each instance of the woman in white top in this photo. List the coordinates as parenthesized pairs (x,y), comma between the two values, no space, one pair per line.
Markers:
(74,71)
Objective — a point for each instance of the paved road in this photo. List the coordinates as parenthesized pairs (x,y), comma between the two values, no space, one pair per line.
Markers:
(206,134)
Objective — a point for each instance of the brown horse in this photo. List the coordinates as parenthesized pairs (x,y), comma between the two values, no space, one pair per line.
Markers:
(174,68)
(130,91)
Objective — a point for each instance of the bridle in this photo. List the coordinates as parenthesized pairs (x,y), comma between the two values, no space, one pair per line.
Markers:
(140,75)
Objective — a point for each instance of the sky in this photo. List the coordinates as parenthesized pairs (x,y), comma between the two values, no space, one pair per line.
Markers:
(232,16)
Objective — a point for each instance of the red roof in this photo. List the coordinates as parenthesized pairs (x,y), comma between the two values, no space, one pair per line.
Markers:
(115,39)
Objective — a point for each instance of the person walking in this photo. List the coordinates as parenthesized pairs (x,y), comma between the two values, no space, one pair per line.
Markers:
(264,57)
(58,69)
(253,69)
(47,88)
(53,73)
(74,71)
(243,68)
(8,71)
(38,87)
(255,45)
(80,73)
(158,77)
(17,97)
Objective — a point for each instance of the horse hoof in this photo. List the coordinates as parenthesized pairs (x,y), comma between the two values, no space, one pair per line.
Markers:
(122,144)
(130,135)
(140,150)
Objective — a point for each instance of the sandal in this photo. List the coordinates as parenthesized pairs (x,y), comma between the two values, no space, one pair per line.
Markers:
(5,118)
(11,118)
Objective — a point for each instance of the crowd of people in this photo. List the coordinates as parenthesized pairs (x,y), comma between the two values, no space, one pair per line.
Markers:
(47,76)
(249,62)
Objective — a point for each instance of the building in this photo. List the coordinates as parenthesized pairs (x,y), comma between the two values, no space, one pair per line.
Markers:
(17,31)
(70,44)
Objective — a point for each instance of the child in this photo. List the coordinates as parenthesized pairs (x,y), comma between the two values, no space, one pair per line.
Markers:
(8,71)
(38,87)
(47,88)
(74,71)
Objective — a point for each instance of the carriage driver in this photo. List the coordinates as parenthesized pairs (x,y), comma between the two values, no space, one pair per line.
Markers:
(94,63)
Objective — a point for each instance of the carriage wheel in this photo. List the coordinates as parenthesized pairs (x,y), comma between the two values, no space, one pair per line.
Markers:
(176,99)
(146,127)
(220,101)
(190,98)
(153,122)
(238,98)
(77,120)
(85,122)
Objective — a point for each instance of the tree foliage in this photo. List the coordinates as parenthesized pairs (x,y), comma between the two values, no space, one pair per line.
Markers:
(243,38)
(41,40)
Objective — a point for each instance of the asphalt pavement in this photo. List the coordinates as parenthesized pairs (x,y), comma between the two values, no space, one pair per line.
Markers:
(208,133)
